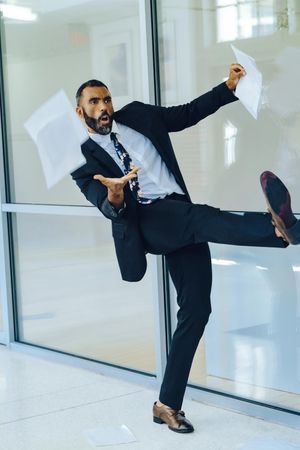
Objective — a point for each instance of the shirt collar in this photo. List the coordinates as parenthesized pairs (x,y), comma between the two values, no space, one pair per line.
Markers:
(104,139)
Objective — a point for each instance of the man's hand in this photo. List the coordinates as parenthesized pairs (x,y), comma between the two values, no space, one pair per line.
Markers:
(236,72)
(115,186)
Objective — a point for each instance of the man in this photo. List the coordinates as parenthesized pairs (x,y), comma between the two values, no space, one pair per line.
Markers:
(133,177)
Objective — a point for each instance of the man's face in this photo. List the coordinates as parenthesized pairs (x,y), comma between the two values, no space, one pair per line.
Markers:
(96,109)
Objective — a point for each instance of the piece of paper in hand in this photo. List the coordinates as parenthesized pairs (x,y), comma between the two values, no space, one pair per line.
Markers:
(108,435)
(58,134)
(249,87)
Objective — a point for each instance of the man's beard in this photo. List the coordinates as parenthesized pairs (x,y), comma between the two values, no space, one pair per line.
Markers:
(95,125)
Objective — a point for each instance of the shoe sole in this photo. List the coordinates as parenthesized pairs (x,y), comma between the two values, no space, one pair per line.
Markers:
(160,421)
(279,224)
(276,219)
(157,420)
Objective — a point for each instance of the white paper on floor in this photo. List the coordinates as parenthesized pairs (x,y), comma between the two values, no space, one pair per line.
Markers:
(249,87)
(270,444)
(58,134)
(109,435)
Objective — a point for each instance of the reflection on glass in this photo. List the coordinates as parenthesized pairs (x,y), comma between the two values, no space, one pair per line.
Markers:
(118,69)
(230,132)
(243,20)
(222,262)
(1,313)
(220,167)
(227,20)
(71,296)
(69,43)
(252,342)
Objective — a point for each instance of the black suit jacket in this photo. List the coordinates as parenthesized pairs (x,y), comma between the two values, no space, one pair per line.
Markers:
(154,122)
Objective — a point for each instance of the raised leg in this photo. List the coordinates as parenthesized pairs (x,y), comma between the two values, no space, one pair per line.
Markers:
(168,225)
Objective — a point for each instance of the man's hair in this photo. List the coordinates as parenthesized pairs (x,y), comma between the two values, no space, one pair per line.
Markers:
(90,83)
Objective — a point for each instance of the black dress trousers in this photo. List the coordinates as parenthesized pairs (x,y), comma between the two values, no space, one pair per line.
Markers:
(180,230)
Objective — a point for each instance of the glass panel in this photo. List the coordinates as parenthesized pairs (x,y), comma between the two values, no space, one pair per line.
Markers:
(63,44)
(222,157)
(251,346)
(1,313)
(71,296)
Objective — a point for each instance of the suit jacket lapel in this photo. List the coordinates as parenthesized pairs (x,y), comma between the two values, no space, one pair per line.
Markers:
(102,156)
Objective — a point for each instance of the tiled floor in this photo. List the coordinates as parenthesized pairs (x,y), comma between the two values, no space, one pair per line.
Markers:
(48,405)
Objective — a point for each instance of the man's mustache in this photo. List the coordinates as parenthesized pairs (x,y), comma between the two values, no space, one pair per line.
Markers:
(105,114)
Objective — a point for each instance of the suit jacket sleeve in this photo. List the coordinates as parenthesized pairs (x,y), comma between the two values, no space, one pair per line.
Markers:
(177,118)
(96,193)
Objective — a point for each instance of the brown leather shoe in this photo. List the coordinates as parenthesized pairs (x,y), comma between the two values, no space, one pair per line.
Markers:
(175,419)
(279,206)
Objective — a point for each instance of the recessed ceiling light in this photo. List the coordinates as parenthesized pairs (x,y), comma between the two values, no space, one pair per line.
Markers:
(17,12)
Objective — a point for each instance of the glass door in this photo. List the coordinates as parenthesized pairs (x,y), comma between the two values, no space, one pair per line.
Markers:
(251,348)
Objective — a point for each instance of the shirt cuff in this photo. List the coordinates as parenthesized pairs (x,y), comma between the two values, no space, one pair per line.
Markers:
(118,210)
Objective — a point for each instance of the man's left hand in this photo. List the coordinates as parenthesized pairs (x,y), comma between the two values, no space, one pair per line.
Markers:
(236,72)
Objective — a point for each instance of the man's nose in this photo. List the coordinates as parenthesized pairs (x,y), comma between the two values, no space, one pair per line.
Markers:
(102,106)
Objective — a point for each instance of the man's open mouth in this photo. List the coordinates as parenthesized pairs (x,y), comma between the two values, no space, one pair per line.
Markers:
(104,119)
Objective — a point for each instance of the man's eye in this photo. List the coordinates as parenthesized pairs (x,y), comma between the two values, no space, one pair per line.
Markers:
(107,100)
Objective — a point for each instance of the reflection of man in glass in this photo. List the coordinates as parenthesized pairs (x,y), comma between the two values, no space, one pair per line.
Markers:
(133,177)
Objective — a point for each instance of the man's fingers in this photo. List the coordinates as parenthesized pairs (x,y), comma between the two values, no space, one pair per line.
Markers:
(238,69)
(236,66)
(130,175)
(117,182)
(134,169)
(99,177)
(102,179)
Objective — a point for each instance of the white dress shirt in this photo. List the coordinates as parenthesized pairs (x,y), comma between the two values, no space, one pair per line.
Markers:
(155,179)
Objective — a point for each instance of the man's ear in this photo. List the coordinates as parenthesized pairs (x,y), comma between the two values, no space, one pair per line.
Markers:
(79,111)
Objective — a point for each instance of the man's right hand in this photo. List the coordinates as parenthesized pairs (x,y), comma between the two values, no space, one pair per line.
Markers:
(115,186)
(235,73)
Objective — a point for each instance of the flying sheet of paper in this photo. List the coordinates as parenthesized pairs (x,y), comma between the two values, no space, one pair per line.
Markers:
(108,435)
(249,87)
(58,134)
